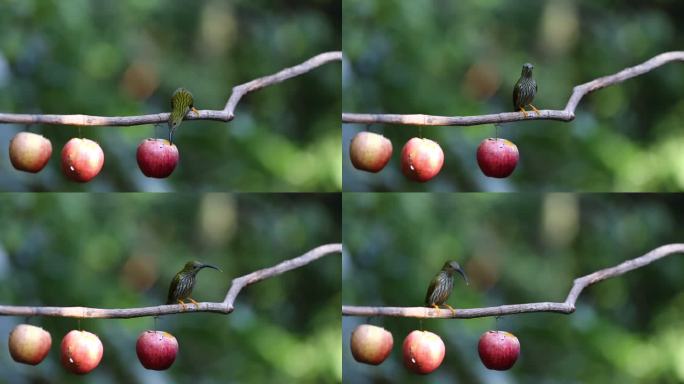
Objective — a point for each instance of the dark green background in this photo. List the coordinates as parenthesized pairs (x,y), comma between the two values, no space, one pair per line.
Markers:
(518,249)
(452,58)
(117,58)
(121,251)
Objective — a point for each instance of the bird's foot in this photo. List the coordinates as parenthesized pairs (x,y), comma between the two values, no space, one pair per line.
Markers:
(524,112)
(535,110)
(182,304)
(435,306)
(194,302)
(194,110)
(453,311)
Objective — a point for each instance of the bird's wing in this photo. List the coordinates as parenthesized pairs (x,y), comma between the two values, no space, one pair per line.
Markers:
(431,288)
(172,288)
(175,96)
(516,91)
(172,118)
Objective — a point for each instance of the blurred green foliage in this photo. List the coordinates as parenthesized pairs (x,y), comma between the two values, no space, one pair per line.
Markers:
(463,57)
(518,249)
(120,251)
(111,57)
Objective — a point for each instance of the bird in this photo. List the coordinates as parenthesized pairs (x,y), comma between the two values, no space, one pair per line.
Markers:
(181,104)
(184,281)
(524,90)
(441,285)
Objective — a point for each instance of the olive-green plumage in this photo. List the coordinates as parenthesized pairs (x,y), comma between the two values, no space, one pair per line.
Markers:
(524,90)
(184,281)
(441,285)
(181,104)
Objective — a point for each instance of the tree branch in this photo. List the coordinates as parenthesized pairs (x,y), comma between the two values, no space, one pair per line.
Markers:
(567,307)
(225,307)
(567,114)
(227,114)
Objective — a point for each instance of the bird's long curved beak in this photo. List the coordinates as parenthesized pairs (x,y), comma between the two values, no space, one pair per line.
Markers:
(460,270)
(211,266)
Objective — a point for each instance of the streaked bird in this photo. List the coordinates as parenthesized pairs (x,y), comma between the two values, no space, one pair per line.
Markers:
(441,285)
(184,281)
(524,90)
(181,104)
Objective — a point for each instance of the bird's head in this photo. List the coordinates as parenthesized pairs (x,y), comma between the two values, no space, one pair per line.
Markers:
(452,266)
(527,69)
(195,266)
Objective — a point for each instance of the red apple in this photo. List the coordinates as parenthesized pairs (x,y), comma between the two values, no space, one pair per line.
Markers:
(370,152)
(371,344)
(81,351)
(423,352)
(157,157)
(497,157)
(29,344)
(29,152)
(498,350)
(421,159)
(156,350)
(82,159)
